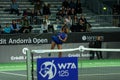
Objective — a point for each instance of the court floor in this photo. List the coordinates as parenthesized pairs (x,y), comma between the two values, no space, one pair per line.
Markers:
(88,70)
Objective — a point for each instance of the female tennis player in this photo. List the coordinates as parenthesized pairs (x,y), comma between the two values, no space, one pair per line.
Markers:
(59,39)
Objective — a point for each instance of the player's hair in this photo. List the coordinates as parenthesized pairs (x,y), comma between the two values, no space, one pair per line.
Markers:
(65,28)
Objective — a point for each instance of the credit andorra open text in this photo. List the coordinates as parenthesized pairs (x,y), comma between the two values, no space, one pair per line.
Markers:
(28,40)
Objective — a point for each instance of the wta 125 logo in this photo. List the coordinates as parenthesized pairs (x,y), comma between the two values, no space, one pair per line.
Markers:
(48,69)
(57,69)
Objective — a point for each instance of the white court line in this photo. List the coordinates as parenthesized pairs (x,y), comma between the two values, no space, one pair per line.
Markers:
(13,74)
(78,75)
(9,73)
(99,74)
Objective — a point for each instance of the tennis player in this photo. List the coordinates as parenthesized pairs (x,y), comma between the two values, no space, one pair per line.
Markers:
(59,39)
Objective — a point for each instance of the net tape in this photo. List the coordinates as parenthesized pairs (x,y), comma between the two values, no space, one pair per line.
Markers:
(81,49)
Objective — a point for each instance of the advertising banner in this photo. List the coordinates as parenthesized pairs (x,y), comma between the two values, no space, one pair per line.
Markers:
(13,53)
(57,68)
(15,39)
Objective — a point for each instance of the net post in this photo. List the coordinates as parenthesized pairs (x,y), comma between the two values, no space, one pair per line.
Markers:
(28,62)
(32,65)
(81,49)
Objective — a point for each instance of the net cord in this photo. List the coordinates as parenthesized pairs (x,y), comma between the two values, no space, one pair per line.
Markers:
(81,48)
(101,49)
(55,50)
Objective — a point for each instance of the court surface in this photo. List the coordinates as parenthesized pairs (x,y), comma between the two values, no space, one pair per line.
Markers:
(88,70)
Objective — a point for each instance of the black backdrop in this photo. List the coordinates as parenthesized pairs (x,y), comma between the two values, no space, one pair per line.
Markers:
(14,39)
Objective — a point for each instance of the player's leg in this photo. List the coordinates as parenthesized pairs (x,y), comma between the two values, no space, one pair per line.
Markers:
(92,55)
(59,46)
(101,57)
(97,54)
(53,44)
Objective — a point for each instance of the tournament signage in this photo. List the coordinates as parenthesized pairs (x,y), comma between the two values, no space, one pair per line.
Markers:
(15,39)
(57,68)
